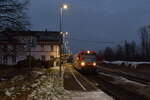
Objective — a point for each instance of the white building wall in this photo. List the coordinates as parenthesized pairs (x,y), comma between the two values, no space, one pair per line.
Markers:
(46,51)
(37,52)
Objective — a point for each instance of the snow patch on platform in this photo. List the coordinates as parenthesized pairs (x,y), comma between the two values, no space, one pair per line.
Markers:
(94,95)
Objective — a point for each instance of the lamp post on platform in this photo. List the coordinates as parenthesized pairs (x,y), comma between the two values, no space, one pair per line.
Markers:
(62,7)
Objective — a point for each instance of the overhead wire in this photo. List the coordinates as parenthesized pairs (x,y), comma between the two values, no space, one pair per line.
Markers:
(94,41)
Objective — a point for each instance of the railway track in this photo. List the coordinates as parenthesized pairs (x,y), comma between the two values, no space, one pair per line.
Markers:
(75,81)
(120,85)
(118,92)
(128,76)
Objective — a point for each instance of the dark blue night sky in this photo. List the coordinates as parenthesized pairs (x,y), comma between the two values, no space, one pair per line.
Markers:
(93,20)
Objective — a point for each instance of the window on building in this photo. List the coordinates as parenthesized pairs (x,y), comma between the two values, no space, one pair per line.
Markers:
(5,48)
(5,59)
(51,57)
(1,59)
(42,46)
(13,59)
(43,58)
(52,48)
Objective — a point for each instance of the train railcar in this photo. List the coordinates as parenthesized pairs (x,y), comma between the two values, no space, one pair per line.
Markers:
(85,61)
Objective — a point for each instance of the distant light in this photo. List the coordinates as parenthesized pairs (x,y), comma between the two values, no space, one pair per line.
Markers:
(61,32)
(66,33)
(65,6)
(94,64)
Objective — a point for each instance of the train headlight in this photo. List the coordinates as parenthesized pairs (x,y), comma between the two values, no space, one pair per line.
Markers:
(94,64)
(82,63)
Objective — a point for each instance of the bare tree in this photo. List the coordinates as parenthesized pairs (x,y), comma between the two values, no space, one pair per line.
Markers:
(133,50)
(13,15)
(100,55)
(130,50)
(119,53)
(11,48)
(145,40)
(108,54)
(127,50)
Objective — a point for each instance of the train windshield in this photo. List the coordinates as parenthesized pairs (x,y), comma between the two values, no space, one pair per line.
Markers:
(89,58)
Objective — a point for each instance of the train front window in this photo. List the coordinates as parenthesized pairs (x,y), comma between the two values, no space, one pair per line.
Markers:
(88,58)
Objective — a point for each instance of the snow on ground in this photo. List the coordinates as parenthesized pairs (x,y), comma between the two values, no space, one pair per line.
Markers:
(14,87)
(17,78)
(50,87)
(126,63)
(13,91)
(47,85)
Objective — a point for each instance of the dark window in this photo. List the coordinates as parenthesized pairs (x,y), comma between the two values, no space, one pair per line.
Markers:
(51,57)
(5,59)
(1,59)
(42,46)
(5,48)
(52,48)
(88,57)
(43,58)
(14,59)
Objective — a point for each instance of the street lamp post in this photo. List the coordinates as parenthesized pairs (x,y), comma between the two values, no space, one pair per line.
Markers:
(62,7)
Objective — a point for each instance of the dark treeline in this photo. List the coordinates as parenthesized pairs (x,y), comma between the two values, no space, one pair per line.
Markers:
(130,51)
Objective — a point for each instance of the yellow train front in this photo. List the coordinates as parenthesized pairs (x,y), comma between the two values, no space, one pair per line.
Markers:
(85,61)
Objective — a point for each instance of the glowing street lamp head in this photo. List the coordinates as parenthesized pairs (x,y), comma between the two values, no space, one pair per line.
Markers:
(65,6)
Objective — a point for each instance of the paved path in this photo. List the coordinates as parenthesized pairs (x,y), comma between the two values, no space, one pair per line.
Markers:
(73,80)
(81,86)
